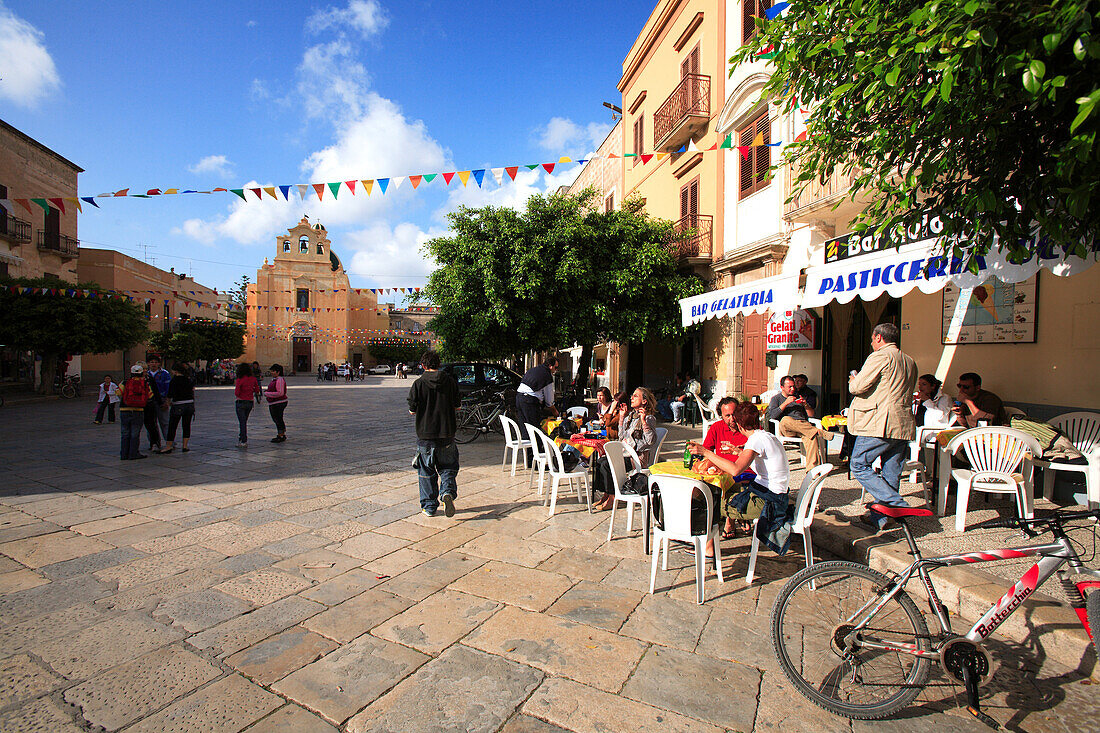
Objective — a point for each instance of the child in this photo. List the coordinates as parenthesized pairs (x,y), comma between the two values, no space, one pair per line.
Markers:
(108,398)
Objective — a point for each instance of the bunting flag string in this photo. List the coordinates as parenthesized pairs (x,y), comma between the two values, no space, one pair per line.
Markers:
(368,186)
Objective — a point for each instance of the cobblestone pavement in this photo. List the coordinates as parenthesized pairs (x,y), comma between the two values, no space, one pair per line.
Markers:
(296,587)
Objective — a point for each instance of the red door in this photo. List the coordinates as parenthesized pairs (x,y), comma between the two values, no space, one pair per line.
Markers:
(754,370)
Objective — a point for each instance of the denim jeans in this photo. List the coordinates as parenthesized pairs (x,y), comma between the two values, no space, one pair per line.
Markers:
(131,432)
(677,408)
(180,412)
(883,485)
(110,409)
(277,411)
(436,464)
(244,409)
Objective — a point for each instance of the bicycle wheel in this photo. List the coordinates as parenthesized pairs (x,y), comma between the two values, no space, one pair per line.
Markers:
(68,391)
(1092,612)
(469,425)
(809,630)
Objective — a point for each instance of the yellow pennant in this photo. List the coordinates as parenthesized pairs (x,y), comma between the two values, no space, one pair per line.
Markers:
(169,190)
(661,156)
(758,140)
(74,200)
(563,159)
(368,185)
(464,176)
(271,192)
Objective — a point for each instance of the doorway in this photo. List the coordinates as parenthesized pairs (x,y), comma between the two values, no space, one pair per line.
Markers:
(848,329)
(754,367)
(302,350)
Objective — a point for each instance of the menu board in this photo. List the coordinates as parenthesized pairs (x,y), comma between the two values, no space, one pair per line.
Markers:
(991,313)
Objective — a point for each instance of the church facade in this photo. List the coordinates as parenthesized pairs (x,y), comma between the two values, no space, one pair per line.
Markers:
(302,311)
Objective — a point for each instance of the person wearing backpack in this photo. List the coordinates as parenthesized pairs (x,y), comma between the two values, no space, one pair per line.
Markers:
(276,401)
(135,396)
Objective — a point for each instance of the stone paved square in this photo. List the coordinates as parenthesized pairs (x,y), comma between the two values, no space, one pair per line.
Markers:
(296,587)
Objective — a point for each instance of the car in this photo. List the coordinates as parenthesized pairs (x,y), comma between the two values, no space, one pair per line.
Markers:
(476,375)
(381,369)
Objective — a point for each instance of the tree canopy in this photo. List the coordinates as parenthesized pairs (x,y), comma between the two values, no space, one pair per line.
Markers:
(552,275)
(53,323)
(396,353)
(177,345)
(982,110)
(216,339)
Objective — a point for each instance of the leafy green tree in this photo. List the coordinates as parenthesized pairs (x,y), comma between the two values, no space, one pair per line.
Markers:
(216,339)
(552,275)
(184,346)
(982,110)
(54,324)
(397,353)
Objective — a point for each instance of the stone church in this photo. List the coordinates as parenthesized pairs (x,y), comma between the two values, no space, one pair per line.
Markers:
(302,310)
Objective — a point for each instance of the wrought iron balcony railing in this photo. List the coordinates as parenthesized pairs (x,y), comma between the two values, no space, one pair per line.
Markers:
(692,238)
(67,247)
(686,110)
(14,229)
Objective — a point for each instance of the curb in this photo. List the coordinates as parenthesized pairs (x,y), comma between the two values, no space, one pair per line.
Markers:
(1042,624)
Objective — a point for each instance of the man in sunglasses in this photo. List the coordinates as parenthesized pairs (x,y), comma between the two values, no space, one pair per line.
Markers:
(976,404)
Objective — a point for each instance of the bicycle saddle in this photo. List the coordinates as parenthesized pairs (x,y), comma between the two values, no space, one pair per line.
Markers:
(896,512)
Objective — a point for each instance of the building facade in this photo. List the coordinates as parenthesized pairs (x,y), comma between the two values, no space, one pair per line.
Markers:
(302,310)
(170,298)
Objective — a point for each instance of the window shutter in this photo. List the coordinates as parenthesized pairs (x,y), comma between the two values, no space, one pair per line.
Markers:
(685,66)
(693,195)
(748,26)
(694,58)
(744,137)
(685,203)
(762,155)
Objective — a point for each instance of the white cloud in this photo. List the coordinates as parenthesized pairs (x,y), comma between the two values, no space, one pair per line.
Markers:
(247,222)
(383,254)
(331,83)
(258,91)
(251,24)
(215,164)
(27,71)
(563,136)
(364,16)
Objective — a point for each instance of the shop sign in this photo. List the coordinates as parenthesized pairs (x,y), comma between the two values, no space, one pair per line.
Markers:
(872,240)
(792,331)
(753,297)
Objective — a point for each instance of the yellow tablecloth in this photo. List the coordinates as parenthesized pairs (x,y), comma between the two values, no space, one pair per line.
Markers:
(676,468)
(550,424)
(832,421)
(586,448)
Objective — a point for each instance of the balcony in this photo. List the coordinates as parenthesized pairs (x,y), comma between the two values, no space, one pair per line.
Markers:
(685,112)
(67,247)
(692,239)
(817,198)
(14,229)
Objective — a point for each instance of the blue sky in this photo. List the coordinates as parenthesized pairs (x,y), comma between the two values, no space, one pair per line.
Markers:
(203,94)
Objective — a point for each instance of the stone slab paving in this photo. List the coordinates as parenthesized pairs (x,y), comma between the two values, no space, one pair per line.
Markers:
(296,587)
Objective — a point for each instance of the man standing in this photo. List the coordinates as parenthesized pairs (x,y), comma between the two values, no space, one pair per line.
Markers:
(793,414)
(881,418)
(535,391)
(161,378)
(976,404)
(434,400)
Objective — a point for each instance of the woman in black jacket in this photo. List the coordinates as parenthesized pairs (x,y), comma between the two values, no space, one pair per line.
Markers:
(181,397)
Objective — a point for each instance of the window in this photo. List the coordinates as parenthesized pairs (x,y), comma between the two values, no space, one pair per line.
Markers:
(149,310)
(286,245)
(3,269)
(690,64)
(320,249)
(609,202)
(464,374)
(303,299)
(495,375)
(303,245)
(689,202)
(754,168)
(751,9)
(639,137)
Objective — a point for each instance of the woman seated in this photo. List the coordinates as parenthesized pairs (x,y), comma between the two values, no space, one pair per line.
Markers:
(932,406)
(764,454)
(638,429)
(604,403)
(619,407)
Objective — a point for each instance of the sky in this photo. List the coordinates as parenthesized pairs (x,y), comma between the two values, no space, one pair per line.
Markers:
(197,95)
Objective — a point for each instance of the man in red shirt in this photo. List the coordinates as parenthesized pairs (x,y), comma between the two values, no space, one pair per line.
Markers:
(722,438)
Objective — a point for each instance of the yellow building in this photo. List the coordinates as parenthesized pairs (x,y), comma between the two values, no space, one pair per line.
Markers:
(673,84)
(302,310)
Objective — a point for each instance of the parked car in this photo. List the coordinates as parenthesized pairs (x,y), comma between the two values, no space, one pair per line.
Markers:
(381,369)
(475,375)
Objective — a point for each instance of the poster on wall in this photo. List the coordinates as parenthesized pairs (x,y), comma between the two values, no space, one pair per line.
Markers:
(991,313)
(794,330)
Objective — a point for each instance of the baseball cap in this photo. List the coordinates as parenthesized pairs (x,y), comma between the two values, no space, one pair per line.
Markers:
(137,369)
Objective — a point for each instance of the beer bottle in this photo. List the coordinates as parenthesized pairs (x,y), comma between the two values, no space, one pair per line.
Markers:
(688,457)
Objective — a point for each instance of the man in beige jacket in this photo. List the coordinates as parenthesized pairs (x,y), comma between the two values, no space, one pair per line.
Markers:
(881,418)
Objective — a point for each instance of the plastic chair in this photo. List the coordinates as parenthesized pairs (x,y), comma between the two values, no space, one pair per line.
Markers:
(706,413)
(1083,430)
(804,509)
(836,443)
(578,411)
(676,493)
(514,442)
(791,440)
(617,453)
(555,467)
(1011,412)
(661,434)
(538,457)
(999,464)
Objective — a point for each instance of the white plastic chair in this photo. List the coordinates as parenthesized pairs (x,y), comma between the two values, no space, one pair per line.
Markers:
(578,411)
(676,493)
(706,413)
(999,464)
(661,434)
(513,441)
(836,443)
(617,453)
(1083,430)
(791,440)
(538,457)
(804,509)
(555,467)
(1011,412)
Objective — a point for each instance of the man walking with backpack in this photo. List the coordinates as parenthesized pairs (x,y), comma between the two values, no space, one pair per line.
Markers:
(434,400)
(135,396)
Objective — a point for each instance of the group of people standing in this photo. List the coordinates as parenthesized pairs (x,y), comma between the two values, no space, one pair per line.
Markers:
(246,390)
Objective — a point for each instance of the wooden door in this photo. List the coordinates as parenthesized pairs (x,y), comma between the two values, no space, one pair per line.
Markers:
(302,353)
(754,370)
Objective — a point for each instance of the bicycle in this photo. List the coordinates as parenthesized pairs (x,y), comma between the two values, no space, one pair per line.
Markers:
(479,414)
(69,388)
(853,642)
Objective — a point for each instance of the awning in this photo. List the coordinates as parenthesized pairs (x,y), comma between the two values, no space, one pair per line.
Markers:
(771,293)
(9,258)
(897,271)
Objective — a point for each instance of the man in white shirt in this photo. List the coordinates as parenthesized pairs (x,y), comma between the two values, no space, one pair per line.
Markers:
(535,393)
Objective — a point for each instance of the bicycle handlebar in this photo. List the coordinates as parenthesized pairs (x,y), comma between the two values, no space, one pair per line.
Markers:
(1060,516)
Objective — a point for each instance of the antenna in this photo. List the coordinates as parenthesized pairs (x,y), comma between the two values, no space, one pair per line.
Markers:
(146,248)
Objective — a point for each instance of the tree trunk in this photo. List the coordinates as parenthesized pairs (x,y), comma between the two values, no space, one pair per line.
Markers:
(47,373)
(581,382)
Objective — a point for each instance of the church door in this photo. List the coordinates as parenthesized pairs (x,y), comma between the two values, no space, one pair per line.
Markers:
(302,350)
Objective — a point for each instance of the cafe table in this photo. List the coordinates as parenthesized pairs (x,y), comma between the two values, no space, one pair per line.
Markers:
(721,484)
(588,447)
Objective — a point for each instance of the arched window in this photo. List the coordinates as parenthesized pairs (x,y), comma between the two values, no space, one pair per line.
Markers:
(320,248)
(286,245)
(303,245)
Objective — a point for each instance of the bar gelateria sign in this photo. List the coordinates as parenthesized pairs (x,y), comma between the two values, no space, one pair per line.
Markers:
(794,330)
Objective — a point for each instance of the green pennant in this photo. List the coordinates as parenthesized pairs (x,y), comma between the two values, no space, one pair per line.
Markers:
(335,188)
(532,167)
(630,155)
(727,142)
(239,192)
(43,203)
(429,177)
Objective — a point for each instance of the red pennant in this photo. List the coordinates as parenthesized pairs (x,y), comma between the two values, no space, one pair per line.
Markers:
(511,171)
(25,203)
(415,180)
(745,151)
(58,203)
(153,192)
(123,192)
(448,176)
(549,167)
(351,186)
(647,158)
(320,189)
(255,191)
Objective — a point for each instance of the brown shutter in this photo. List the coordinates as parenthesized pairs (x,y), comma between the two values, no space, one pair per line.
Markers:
(693,196)
(685,202)
(744,137)
(762,155)
(694,59)
(748,10)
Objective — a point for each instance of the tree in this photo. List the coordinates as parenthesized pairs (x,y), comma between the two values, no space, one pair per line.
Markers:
(55,319)
(397,353)
(238,299)
(983,111)
(185,346)
(555,274)
(216,339)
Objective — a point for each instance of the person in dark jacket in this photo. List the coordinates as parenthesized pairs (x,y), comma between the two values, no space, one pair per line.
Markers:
(181,401)
(434,400)
(536,395)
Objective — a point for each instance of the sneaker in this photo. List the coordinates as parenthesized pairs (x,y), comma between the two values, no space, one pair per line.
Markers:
(97,422)
(868,522)
(242,444)
(448,505)
(139,456)
(427,512)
